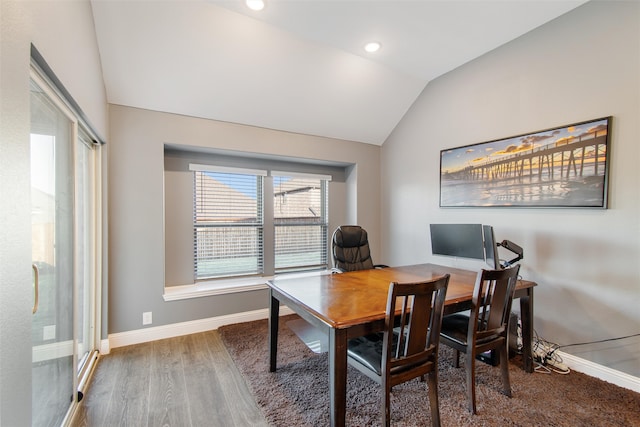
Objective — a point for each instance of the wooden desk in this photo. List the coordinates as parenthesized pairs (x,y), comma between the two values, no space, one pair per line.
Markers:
(353,304)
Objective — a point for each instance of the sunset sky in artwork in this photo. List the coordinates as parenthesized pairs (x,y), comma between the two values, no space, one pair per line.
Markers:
(458,158)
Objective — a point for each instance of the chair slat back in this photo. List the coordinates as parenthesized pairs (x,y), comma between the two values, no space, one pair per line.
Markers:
(418,327)
(491,304)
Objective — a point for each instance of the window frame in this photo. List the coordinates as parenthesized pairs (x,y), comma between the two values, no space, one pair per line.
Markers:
(322,213)
(179,283)
(212,225)
(267,265)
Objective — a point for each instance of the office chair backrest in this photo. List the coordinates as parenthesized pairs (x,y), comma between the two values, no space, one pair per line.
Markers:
(350,248)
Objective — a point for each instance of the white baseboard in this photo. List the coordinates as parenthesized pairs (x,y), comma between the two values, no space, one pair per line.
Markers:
(601,372)
(177,329)
(56,350)
(140,336)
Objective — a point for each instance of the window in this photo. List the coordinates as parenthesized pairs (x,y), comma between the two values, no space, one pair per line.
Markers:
(228,222)
(230,219)
(300,220)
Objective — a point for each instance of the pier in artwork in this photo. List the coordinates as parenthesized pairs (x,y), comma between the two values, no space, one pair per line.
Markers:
(563,159)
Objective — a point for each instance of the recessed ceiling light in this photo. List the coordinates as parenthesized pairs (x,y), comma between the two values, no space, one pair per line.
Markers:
(372,47)
(255,4)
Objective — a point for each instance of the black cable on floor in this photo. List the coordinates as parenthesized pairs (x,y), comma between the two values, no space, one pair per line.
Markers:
(600,341)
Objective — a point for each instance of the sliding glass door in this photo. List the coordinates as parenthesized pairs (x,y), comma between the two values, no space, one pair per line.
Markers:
(64,253)
(87,252)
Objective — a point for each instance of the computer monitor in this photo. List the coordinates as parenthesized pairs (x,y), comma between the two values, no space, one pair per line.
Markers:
(457,240)
(490,248)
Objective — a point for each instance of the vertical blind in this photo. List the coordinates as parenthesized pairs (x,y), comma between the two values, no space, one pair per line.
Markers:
(300,221)
(228,222)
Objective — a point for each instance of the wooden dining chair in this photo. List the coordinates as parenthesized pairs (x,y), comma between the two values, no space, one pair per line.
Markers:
(486,328)
(408,347)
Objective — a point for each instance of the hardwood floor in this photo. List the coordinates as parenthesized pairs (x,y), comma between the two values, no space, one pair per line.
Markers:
(184,381)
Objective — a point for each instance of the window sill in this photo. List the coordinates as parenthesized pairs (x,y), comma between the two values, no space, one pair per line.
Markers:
(230,286)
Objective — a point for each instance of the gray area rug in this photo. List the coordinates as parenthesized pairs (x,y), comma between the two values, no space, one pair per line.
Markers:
(297,394)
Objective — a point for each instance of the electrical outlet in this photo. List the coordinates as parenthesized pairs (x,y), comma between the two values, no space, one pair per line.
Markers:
(49,332)
(146,318)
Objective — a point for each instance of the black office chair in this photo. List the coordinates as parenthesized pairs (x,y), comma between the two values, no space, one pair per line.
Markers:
(408,347)
(486,328)
(350,249)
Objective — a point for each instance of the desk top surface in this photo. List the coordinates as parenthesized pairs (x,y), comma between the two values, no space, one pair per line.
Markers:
(346,299)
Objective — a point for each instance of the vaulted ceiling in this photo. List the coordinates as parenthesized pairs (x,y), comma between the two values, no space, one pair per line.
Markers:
(297,65)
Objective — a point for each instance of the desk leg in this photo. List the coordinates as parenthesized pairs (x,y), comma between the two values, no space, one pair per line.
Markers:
(338,375)
(526,311)
(274,312)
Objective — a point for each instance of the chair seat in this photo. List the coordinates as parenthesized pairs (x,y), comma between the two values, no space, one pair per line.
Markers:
(367,350)
(455,328)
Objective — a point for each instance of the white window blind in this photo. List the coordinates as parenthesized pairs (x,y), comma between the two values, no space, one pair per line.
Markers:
(300,221)
(228,222)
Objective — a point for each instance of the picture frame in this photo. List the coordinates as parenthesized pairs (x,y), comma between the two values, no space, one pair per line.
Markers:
(561,167)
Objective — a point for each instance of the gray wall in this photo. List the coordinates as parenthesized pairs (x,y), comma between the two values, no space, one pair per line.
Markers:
(583,65)
(63,33)
(136,198)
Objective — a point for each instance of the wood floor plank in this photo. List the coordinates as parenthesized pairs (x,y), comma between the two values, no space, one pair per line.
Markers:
(180,382)
(206,394)
(93,408)
(168,403)
(238,398)
(129,403)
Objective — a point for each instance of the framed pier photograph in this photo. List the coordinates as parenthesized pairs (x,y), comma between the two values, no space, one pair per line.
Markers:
(560,167)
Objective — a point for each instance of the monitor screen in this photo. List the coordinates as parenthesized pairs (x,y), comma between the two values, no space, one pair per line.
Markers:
(490,248)
(458,240)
